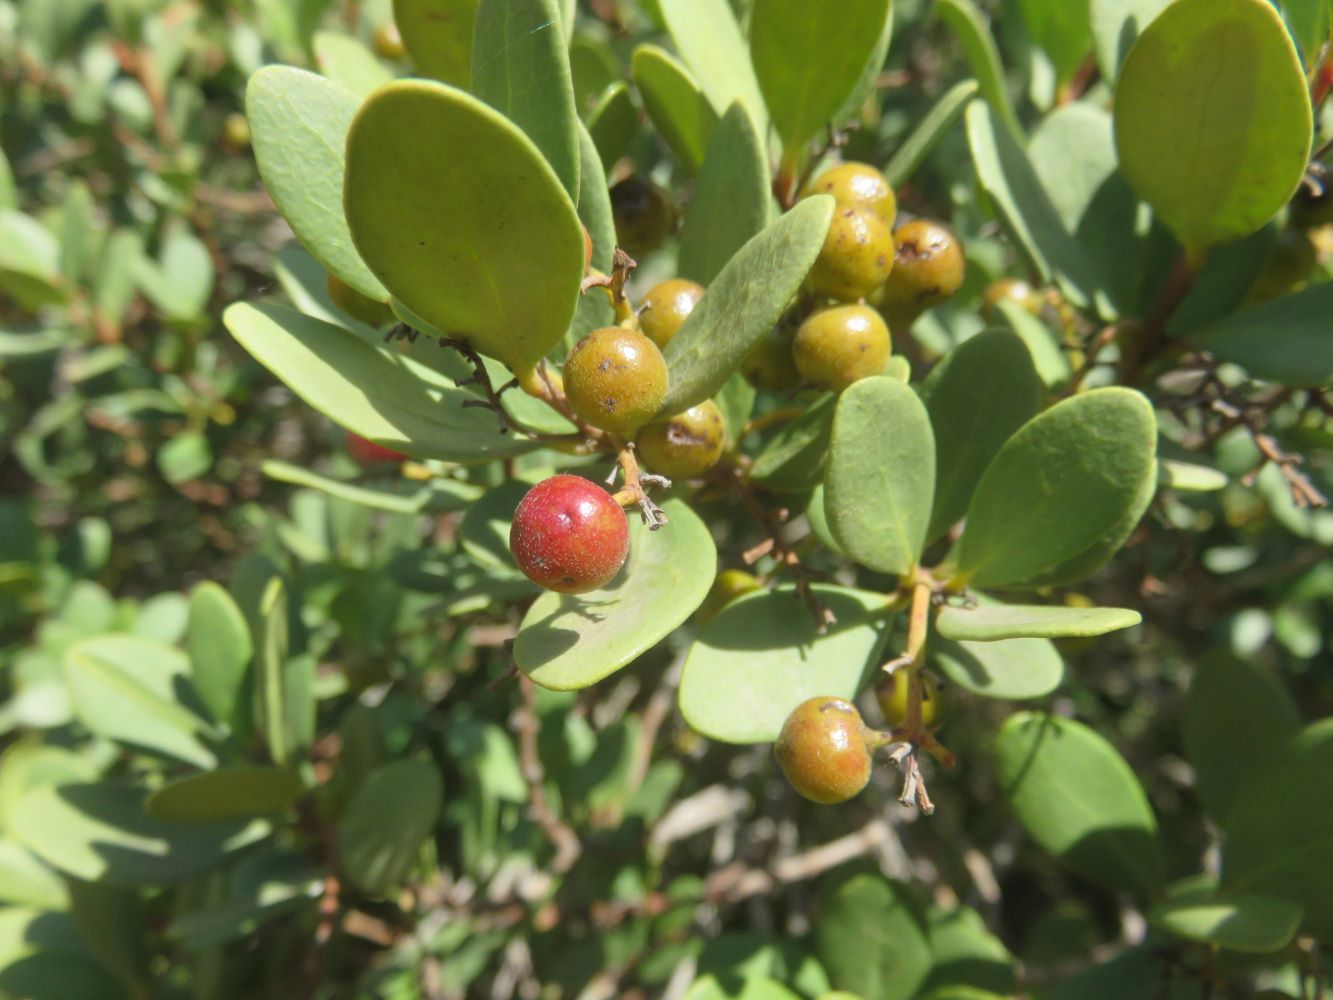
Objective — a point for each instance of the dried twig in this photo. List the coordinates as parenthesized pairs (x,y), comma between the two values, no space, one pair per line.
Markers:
(559,833)
(784,553)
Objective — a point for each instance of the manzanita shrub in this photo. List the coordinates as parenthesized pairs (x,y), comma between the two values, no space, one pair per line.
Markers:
(713,376)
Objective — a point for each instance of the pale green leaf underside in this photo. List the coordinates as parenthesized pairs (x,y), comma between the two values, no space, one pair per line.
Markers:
(372,390)
(218,641)
(568,641)
(1116,26)
(988,622)
(298,126)
(743,303)
(1079,799)
(932,128)
(1064,481)
(461,217)
(880,477)
(1212,118)
(974,34)
(348,63)
(760,657)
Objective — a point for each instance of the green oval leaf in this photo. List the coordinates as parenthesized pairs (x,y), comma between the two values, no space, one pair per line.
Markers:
(218,641)
(1058,486)
(1280,830)
(1213,82)
(1079,799)
(348,63)
(731,199)
(484,531)
(397,495)
(1116,25)
(390,815)
(1011,669)
(760,657)
(298,129)
(520,67)
(929,131)
(457,212)
(612,124)
(708,38)
(597,215)
(101,833)
(966,957)
(1245,922)
(979,394)
(568,642)
(793,459)
(227,793)
(974,34)
(744,302)
(872,936)
(129,689)
(878,486)
(675,103)
(809,63)
(25,881)
(1026,210)
(438,37)
(368,388)
(1285,340)
(1230,696)
(988,622)
(1062,31)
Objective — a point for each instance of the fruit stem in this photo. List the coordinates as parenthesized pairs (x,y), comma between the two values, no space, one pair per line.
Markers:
(634,494)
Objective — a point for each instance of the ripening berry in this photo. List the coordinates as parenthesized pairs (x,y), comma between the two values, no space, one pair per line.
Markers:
(358,306)
(857,185)
(643,214)
(856,258)
(729,585)
(840,345)
(685,445)
(666,307)
(388,43)
(615,379)
(365,453)
(1014,290)
(822,750)
(769,364)
(587,250)
(236,131)
(892,698)
(928,267)
(569,535)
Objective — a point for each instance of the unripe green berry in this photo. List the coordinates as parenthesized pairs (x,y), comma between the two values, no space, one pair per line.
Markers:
(823,750)
(729,585)
(615,379)
(1014,290)
(856,258)
(388,42)
(892,698)
(857,185)
(666,307)
(569,535)
(358,306)
(643,214)
(236,131)
(769,364)
(928,267)
(840,345)
(685,445)
(1288,267)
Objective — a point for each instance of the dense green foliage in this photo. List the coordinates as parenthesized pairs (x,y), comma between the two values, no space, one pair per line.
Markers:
(286,295)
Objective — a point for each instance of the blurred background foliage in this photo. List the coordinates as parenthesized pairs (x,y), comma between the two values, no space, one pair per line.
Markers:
(261,732)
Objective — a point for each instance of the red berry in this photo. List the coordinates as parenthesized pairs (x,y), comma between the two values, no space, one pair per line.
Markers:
(569,535)
(365,452)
